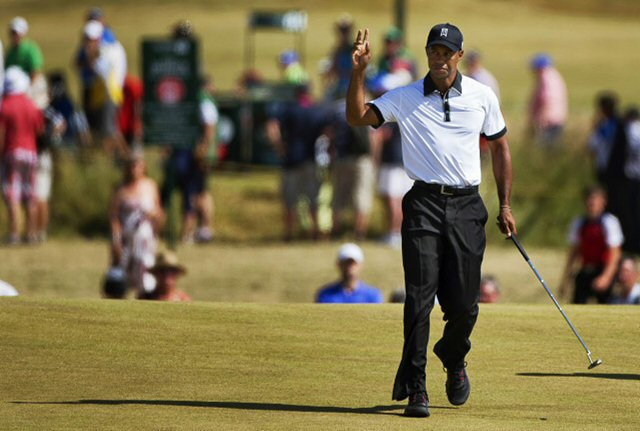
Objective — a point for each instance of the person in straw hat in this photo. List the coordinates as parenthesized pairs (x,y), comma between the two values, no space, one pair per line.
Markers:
(167,270)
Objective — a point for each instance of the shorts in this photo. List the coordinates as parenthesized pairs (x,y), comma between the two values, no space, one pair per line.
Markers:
(188,178)
(19,177)
(302,180)
(393,181)
(353,179)
(43,177)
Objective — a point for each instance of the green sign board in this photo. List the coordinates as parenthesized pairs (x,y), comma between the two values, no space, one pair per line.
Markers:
(171,85)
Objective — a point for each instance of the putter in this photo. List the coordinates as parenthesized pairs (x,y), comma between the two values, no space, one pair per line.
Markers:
(592,363)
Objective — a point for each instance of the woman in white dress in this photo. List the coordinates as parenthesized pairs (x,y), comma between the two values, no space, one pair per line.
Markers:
(135,217)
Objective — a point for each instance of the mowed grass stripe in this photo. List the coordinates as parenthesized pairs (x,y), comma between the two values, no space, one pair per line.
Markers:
(91,364)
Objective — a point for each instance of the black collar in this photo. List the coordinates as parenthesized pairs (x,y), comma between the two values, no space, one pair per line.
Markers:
(430,86)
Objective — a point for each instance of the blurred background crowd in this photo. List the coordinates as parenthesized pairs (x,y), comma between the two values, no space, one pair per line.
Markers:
(331,173)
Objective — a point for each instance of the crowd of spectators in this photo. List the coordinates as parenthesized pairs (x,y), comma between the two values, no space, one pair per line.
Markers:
(315,144)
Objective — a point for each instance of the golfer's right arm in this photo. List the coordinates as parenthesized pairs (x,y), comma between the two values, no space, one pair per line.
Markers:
(359,114)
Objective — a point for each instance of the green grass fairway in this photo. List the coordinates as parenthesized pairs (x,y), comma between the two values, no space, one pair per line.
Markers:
(98,364)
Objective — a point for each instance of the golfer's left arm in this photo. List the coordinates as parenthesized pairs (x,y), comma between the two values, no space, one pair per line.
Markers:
(501,161)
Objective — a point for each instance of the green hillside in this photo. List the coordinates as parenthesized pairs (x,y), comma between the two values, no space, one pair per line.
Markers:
(70,364)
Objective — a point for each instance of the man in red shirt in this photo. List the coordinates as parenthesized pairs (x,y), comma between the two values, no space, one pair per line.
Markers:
(596,239)
(20,123)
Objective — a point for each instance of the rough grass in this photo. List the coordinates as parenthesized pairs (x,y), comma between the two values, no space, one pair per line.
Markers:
(70,364)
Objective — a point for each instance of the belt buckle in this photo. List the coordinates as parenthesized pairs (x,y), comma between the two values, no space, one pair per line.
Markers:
(444,192)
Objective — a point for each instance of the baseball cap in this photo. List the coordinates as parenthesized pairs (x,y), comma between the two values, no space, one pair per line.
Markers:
(540,61)
(288,57)
(93,30)
(393,34)
(19,25)
(16,81)
(350,251)
(446,34)
(95,13)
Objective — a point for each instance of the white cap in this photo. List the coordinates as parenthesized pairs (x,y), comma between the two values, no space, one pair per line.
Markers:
(16,81)
(19,25)
(350,251)
(93,30)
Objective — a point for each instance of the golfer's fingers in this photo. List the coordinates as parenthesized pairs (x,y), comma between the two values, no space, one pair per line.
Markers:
(358,39)
(366,36)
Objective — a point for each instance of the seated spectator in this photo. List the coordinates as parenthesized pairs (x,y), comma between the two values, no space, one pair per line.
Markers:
(398,296)
(166,271)
(135,216)
(349,289)
(489,290)
(629,292)
(596,238)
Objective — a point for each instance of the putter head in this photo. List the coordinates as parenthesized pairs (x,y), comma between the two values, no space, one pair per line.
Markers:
(595,363)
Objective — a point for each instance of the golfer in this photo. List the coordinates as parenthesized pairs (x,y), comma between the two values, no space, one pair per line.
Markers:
(441,119)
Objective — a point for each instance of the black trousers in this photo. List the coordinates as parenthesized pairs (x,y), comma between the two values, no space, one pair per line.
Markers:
(584,291)
(443,243)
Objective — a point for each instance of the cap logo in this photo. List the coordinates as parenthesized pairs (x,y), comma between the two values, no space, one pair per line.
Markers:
(444,32)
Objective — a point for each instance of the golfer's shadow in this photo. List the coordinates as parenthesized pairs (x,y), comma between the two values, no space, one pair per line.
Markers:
(278,407)
(610,376)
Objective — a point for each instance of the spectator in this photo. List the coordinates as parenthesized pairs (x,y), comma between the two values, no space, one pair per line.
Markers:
(187,168)
(293,129)
(7,290)
(190,167)
(166,271)
(489,290)
(130,113)
(632,173)
(606,131)
(26,54)
(206,151)
(475,69)
(135,216)
(396,56)
(339,69)
(548,104)
(398,296)
(96,14)
(102,68)
(292,71)
(1,70)
(20,124)
(353,173)
(77,130)
(54,127)
(393,181)
(629,293)
(349,289)
(595,239)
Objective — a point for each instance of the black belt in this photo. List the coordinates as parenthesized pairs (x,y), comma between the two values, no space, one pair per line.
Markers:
(447,190)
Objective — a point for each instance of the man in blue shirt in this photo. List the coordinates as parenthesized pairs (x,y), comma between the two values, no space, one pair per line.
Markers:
(349,289)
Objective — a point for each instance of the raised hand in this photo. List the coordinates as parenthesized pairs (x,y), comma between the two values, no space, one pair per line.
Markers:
(361,55)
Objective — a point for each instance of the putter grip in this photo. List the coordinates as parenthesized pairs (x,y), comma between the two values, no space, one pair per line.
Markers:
(520,248)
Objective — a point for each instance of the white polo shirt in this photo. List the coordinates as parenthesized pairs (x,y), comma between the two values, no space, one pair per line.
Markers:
(436,147)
